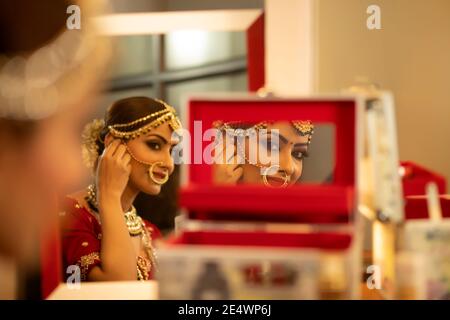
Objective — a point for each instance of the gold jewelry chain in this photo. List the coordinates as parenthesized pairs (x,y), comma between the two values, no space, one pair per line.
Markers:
(150,170)
(168,114)
(136,226)
(302,127)
(266,169)
(133,221)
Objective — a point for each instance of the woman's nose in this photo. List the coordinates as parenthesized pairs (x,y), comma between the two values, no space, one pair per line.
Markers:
(287,164)
(168,162)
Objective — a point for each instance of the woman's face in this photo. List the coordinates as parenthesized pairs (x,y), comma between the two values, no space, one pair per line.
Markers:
(155,146)
(281,138)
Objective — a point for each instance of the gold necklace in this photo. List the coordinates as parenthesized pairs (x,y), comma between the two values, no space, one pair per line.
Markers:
(133,221)
(136,226)
(143,267)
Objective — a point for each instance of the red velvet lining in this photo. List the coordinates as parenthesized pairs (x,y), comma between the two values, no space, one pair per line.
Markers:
(264,239)
(308,204)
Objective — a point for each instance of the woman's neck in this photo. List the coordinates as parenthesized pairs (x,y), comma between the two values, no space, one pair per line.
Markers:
(128,197)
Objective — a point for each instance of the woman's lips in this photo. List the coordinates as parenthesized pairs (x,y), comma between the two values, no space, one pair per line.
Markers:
(275,181)
(159,175)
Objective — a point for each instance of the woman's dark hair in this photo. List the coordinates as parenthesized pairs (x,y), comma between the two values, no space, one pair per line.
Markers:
(127,110)
(25,26)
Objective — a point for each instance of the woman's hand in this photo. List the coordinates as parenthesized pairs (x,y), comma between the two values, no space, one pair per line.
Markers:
(117,250)
(227,168)
(113,171)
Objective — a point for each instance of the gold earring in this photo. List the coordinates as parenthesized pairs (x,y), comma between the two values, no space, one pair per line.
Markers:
(152,176)
(265,174)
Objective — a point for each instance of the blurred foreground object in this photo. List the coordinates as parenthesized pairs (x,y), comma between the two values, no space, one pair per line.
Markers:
(49,77)
(117,290)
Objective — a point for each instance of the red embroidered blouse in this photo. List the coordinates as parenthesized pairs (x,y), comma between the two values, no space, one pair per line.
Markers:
(81,238)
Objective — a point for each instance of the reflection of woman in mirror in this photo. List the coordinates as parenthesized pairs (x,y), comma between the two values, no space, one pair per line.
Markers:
(241,148)
(130,153)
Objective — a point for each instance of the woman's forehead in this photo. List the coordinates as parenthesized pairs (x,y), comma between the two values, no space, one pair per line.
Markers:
(287,130)
(165,131)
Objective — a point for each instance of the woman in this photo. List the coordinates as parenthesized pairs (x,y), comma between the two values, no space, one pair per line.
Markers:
(131,153)
(269,153)
(49,76)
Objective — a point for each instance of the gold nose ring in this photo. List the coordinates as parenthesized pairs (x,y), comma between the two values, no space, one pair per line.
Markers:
(152,175)
(265,174)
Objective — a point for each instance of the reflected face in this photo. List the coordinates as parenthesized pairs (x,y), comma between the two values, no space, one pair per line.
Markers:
(281,138)
(155,146)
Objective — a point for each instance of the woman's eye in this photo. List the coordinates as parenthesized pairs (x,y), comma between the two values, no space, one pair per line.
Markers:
(299,154)
(154,145)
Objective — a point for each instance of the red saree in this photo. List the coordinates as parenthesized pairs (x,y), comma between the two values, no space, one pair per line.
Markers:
(81,234)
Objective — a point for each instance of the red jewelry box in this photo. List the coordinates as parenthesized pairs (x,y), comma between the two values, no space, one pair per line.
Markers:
(329,204)
(333,202)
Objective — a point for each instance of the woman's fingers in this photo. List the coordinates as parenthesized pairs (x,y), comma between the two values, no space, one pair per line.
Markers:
(112,147)
(126,158)
(235,173)
(225,150)
(120,151)
(219,150)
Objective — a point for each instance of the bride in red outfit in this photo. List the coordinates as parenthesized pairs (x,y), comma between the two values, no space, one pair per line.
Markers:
(131,153)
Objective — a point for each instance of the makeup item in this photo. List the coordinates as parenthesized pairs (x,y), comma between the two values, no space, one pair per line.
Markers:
(431,239)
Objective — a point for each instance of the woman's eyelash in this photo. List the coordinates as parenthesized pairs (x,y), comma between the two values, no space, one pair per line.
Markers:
(304,154)
(154,145)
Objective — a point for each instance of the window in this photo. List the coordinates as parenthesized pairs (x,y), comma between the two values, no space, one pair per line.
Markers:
(171,66)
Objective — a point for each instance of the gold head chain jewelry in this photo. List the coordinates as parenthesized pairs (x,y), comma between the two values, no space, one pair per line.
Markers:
(168,114)
(304,128)
(133,221)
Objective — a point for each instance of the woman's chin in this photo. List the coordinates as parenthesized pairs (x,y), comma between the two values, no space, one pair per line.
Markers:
(152,189)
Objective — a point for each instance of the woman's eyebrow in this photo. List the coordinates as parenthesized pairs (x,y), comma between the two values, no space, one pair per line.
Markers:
(164,140)
(275,134)
(301,144)
(285,140)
